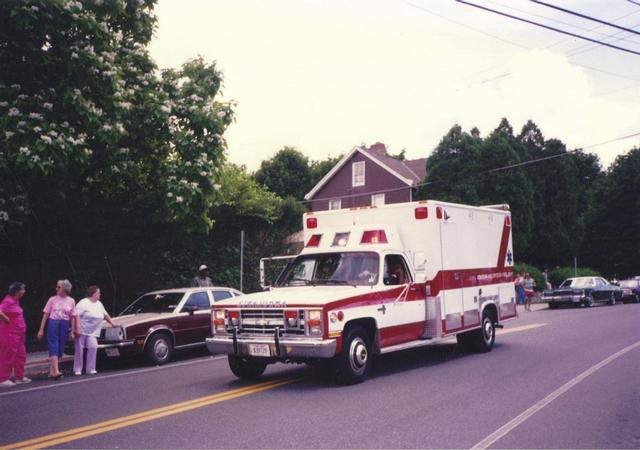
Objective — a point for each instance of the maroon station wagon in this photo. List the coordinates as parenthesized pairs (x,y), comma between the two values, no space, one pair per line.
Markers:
(160,322)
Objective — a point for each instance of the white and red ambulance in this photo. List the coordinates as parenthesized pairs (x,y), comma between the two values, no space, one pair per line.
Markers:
(375,280)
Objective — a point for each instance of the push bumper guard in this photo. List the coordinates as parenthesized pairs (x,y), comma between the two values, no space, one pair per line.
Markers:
(279,347)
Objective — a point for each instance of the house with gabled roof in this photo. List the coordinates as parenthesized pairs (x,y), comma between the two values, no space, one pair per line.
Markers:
(366,177)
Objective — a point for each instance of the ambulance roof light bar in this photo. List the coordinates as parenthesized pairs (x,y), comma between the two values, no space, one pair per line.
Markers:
(312,222)
(314,240)
(374,237)
(502,206)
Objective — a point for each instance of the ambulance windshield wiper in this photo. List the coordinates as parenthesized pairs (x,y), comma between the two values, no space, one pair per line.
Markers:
(332,281)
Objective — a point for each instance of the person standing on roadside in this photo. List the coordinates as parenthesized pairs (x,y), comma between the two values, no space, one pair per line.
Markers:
(13,328)
(519,284)
(60,313)
(529,285)
(202,279)
(91,313)
(545,274)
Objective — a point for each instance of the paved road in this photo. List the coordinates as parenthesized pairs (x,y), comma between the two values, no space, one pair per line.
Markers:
(556,379)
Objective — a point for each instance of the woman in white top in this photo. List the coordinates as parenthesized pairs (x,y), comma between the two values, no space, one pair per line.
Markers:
(90,313)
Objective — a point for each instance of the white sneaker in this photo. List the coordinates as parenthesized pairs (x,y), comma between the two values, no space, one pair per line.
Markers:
(23,380)
(7,383)
(93,372)
(77,374)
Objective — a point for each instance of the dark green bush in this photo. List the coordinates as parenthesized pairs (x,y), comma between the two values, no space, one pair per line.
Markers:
(559,274)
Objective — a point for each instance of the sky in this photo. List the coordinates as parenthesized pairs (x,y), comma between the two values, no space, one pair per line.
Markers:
(324,76)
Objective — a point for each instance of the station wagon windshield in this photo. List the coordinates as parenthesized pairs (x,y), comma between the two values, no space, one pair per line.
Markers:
(578,283)
(348,268)
(154,303)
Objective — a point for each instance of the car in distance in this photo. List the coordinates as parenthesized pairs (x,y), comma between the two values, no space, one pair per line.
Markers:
(582,291)
(160,322)
(630,290)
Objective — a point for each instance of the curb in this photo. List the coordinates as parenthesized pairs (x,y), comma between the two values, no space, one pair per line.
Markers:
(45,361)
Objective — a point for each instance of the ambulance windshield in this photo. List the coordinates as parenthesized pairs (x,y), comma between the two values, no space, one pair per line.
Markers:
(348,268)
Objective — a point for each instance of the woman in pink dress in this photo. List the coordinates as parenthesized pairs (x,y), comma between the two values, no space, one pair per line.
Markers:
(60,313)
(12,337)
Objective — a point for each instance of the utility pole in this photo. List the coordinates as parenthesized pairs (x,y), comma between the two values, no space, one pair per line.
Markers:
(575,266)
(241,257)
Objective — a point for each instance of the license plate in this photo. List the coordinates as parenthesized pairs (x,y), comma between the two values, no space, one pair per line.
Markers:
(112,351)
(259,350)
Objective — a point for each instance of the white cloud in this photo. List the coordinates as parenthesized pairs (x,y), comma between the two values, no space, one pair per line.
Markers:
(324,76)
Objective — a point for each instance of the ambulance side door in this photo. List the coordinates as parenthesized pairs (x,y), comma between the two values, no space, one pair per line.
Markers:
(402,313)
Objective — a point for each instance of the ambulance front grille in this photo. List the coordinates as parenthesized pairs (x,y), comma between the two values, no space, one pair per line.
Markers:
(265,321)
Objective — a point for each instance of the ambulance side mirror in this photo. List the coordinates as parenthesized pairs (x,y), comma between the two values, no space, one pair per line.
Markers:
(419,261)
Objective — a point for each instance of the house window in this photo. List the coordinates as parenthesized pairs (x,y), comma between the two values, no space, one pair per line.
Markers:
(335,204)
(357,174)
(377,200)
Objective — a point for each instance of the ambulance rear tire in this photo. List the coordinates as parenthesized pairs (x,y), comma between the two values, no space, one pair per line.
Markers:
(482,340)
(353,363)
(246,368)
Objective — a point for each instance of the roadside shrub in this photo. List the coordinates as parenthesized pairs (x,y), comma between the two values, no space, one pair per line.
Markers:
(559,274)
(533,271)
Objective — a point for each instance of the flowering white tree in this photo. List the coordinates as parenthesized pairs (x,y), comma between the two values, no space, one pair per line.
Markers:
(86,115)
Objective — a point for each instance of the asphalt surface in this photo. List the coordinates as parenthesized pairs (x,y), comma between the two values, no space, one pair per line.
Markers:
(565,378)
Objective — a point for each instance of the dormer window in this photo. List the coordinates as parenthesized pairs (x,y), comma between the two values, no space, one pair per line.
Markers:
(357,174)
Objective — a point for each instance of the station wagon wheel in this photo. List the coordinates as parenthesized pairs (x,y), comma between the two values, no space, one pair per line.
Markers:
(588,303)
(159,348)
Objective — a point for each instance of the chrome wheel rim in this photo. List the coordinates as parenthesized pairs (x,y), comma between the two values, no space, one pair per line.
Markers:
(488,331)
(161,349)
(358,355)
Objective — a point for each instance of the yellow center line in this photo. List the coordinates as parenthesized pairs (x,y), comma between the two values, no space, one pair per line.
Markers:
(145,416)
(522,328)
(52,440)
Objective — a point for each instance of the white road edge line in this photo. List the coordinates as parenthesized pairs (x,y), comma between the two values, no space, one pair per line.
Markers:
(90,378)
(506,428)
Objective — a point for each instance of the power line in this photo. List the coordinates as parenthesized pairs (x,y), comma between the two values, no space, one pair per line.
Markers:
(584,16)
(515,44)
(558,30)
(613,140)
(589,30)
(635,3)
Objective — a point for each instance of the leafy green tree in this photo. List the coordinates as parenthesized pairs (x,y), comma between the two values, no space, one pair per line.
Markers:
(613,243)
(287,173)
(461,169)
(452,169)
(509,185)
(105,162)
(85,114)
(563,186)
(320,168)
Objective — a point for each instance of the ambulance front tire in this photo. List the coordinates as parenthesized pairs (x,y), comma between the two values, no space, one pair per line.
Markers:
(353,363)
(246,368)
